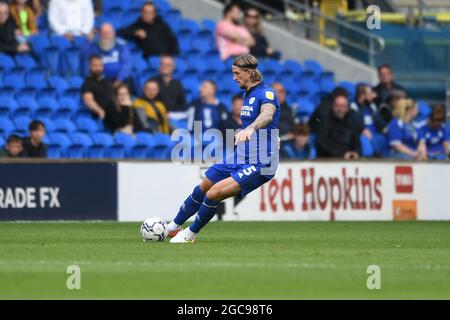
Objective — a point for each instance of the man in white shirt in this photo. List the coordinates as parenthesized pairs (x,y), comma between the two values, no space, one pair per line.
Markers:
(71,18)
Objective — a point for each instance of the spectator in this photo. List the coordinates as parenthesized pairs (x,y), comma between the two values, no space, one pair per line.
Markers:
(404,138)
(300,148)
(208,109)
(122,118)
(25,19)
(115,55)
(98,94)
(253,23)
(337,128)
(33,147)
(232,38)
(171,90)
(155,110)
(384,115)
(151,33)
(234,119)
(13,147)
(366,109)
(436,135)
(8,41)
(386,85)
(70,18)
(287,122)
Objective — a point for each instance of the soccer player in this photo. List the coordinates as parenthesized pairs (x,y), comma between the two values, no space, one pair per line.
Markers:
(257,140)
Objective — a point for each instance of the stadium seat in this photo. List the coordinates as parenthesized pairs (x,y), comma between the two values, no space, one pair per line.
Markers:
(35,80)
(6,127)
(326,81)
(313,66)
(117,151)
(59,42)
(101,143)
(162,146)
(46,107)
(39,43)
(14,80)
(22,123)
(2,141)
(87,125)
(350,87)
(6,62)
(124,139)
(27,92)
(64,125)
(25,61)
(26,107)
(367,150)
(59,144)
(424,110)
(59,84)
(7,106)
(50,58)
(80,145)
(143,143)
(70,64)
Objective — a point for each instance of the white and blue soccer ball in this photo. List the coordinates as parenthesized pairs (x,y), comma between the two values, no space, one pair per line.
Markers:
(154,229)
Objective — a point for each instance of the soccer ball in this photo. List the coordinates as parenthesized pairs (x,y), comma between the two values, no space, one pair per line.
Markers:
(154,229)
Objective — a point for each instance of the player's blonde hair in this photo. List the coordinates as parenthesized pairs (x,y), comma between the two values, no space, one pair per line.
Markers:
(249,63)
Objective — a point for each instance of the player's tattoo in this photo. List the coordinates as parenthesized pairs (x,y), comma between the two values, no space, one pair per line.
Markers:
(265,117)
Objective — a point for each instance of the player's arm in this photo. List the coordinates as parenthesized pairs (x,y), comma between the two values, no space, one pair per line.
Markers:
(264,119)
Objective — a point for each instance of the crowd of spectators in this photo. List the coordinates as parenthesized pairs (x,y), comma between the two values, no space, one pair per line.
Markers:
(381,116)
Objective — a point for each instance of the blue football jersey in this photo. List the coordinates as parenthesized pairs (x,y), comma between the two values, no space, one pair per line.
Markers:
(265,139)
(435,138)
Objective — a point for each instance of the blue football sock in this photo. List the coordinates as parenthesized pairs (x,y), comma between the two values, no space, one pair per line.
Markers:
(205,214)
(190,206)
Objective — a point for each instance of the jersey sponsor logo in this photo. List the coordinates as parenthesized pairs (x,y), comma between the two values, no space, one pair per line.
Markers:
(252,99)
(247,172)
(270,95)
(245,111)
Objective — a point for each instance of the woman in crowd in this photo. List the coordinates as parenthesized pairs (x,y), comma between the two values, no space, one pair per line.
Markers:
(405,139)
(25,19)
(253,23)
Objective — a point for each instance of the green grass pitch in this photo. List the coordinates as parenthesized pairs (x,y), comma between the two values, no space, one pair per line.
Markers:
(230,260)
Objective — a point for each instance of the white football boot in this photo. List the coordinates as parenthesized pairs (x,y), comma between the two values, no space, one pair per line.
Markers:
(184,236)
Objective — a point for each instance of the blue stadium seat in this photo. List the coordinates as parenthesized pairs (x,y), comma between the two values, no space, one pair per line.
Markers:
(117,151)
(59,42)
(39,43)
(35,80)
(350,87)
(48,123)
(22,123)
(187,28)
(304,110)
(307,82)
(87,125)
(70,64)
(143,143)
(125,140)
(314,66)
(26,106)
(25,61)
(7,106)
(46,107)
(130,16)
(102,139)
(50,58)
(292,66)
(6,127)
(14,80)
(75,82)
(6,62)
(101,143)
(27,92)
(424,110)
(79,42)
(59,84)
(326,81)
(80,145)
(162,146)
(2,141)
(367,150)
(64,125)
(59,144)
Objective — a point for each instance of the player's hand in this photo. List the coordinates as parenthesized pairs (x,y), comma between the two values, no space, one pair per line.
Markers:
(244,135)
